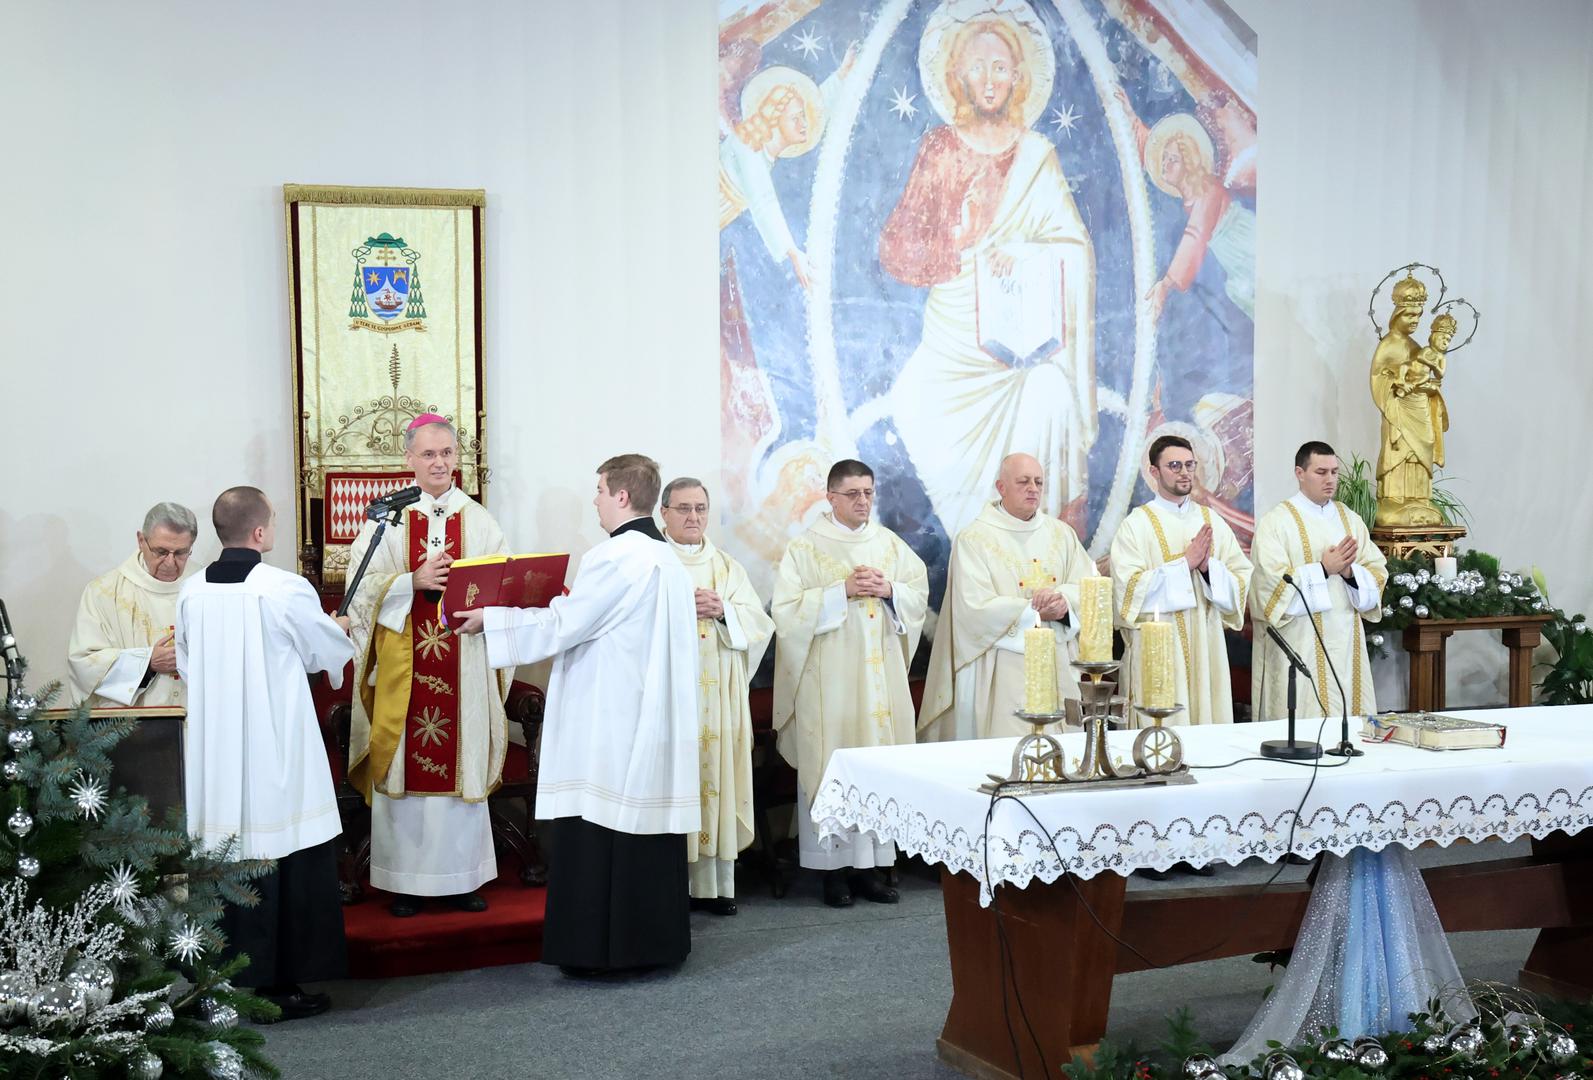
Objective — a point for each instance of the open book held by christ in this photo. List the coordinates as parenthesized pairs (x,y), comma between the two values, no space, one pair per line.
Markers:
(518,581)
(1019,316)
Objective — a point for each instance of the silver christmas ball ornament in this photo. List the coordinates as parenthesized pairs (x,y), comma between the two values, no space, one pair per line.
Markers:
(1387,611)
(1281,1067)
(1370,1055)
(20,739)
(15,989)
(1376,639)
(1561,1047)
(1421,611)
(28,866)
(1201,1067)
(1338,1050)
(56,1007)
(1406,602)
(225,1063)
(1467,1042)
(1505,589)
(1434,1045)
(20,822)
(1580,628)
(217,1014)
(23,706)
(1568,1076)
(1504,577)
(159,1016)
(95,979)
(12,771)
(146,1066)
(1423,576)
(1522,1037)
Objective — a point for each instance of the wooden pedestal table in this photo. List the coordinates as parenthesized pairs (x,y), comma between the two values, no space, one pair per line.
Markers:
(1061,963)
(1425,640)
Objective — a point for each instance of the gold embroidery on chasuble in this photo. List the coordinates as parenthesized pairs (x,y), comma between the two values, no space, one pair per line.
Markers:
(1355,617)
(431,730)
(1316,619)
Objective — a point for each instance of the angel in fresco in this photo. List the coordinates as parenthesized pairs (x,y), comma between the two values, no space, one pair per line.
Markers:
(782,116)
(1179,159)
(1006,362)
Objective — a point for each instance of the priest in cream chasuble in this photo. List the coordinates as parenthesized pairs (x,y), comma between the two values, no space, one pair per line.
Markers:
(732,632)
(1015,568)
(1173,560)
(849,605)
(122,650)
(1325,547)
(429,732)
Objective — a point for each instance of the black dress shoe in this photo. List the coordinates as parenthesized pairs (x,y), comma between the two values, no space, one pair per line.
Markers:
(870,885)
(299,1004)
(1197,871)
(404,906)
(717,905)
(1153,874)
(836,891)
(469,901)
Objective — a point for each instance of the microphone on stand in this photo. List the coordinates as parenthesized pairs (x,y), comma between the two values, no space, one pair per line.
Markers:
(396,500)
(8,649)
(1289,748)
(1345,748)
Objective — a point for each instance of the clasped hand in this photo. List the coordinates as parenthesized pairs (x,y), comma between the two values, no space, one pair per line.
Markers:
(1340,557)
(867,581)
(709,606)
(433,573)
(163,657)
(1198,553)
(1050,604)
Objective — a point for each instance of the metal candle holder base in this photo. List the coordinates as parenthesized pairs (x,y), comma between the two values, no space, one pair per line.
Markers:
(1039,758)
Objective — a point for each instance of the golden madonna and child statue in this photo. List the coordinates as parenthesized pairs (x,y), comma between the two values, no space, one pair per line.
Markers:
(1407,386)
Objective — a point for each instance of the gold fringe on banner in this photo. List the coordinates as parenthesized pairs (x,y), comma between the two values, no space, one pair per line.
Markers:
(382,196)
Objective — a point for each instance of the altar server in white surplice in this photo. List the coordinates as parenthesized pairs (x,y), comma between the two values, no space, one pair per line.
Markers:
(732,632)
(121,652)
(1325,547)
(429,733)
(849,605)
(619,775)
(255,765)
(1174,560)
(1014,569)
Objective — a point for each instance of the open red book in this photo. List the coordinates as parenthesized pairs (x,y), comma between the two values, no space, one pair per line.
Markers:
(519,581)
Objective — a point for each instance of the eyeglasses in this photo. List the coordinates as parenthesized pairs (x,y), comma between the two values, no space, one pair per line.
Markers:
(161,554)
(1178,466)
(688,509)
(858,495)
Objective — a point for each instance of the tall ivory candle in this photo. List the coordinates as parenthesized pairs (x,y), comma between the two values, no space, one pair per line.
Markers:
(1095,620)
(1039,671)
(1156,665)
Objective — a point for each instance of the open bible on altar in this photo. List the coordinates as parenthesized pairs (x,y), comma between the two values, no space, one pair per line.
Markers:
(1432,731)
(519,581)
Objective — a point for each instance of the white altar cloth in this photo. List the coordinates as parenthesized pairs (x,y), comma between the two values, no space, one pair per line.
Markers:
(925,799)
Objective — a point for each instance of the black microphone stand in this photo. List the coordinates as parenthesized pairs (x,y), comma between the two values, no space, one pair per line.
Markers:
(384,516)
(1289,749)
(8,647)
(1345,748)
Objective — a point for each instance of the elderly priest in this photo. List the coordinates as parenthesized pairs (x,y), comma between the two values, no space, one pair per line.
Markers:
(1173,557)
(256,767)
(121,651)
(849,604)
(1338,576)
(1014,569)
(732,632)
(429,732)
(618,774)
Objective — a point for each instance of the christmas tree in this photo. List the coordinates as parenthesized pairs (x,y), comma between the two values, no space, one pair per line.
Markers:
(111,958)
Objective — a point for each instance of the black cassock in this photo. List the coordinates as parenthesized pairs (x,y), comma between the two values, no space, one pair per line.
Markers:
(616,900)
(295,934)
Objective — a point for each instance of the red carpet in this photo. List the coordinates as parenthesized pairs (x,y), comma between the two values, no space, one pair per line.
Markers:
(443,939)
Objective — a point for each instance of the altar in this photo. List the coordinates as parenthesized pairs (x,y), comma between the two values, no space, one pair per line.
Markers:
(1038,920)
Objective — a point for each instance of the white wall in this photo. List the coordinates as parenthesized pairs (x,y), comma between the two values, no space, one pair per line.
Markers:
(143,289)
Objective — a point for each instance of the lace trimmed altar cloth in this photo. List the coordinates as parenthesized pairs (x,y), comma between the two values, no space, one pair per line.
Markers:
(924,798)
